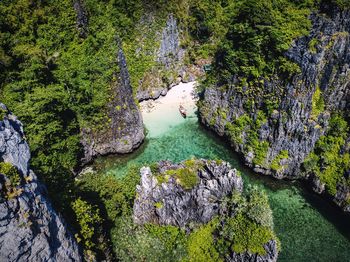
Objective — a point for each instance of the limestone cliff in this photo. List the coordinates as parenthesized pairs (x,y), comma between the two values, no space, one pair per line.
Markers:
(30,229)
(123,132)
(168,58)
(180,206)
(190,194)
(288,116)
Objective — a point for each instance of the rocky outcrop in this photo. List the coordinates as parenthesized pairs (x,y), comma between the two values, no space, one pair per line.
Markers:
(291,122)
(163,198)
(30,229)
(271,254)
(170,67)
(82,18)
(169,203)
(123,131)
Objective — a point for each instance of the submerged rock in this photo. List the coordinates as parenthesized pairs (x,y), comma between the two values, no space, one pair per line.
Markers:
(30,229)
(123,131)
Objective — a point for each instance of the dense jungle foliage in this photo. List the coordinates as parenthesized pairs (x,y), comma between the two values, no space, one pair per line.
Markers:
(57,81)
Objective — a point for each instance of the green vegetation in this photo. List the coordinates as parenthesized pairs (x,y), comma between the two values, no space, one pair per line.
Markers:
(10,190)
(158,205)
(3,113)
(88,217)
(248,231)
(173,238)
(258,34)
(247,128)
(276,163)
(187,176)
(317,103)
(327,161)
(251,227)
(313,44)
(148,243)
(257,208)
(344,4)
(201,243)
(151,242)
(58,82)
(246,235)
(11,173)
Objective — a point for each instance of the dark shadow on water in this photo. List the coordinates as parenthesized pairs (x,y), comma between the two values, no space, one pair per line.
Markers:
(328,209)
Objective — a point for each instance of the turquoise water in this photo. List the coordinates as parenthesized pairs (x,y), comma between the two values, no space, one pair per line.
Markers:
(310,228)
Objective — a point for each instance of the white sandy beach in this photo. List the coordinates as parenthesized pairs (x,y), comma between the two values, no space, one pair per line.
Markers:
(162,114)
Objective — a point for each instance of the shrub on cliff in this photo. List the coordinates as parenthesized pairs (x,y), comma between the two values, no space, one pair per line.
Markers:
(327,161)
(11,173)
(89,219)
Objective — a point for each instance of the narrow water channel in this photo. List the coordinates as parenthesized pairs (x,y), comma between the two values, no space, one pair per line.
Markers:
(310,228)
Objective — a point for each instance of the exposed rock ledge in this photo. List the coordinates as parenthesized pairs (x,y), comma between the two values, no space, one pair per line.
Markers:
(166,202)
(30,229)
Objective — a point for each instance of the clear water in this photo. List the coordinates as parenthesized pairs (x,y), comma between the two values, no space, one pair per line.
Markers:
(310,228)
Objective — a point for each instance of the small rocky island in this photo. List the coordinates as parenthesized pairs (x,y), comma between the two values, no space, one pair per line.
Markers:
(200,195)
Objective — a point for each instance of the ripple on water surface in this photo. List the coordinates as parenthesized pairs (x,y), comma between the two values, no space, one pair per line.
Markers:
(310,228)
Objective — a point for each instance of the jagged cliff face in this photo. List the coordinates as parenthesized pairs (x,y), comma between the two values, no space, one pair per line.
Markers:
(169,59)
(163,198)
(30,228)
(124,130)
(179,206)
(289,132)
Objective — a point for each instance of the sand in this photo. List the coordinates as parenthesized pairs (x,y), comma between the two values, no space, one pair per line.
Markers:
(161,115)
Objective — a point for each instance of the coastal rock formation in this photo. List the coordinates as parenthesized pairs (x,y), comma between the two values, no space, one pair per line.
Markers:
(171,204)
(192,193)
(170,68)
(288,133)
(123,132)
(30,229)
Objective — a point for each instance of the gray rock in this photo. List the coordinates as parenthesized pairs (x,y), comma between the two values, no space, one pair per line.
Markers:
(271,255)
(292,126)
(169,57)
(30,229)
(317,185)
(13,147)
(169,51)
(82,21)
(123,132)
(170,204)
